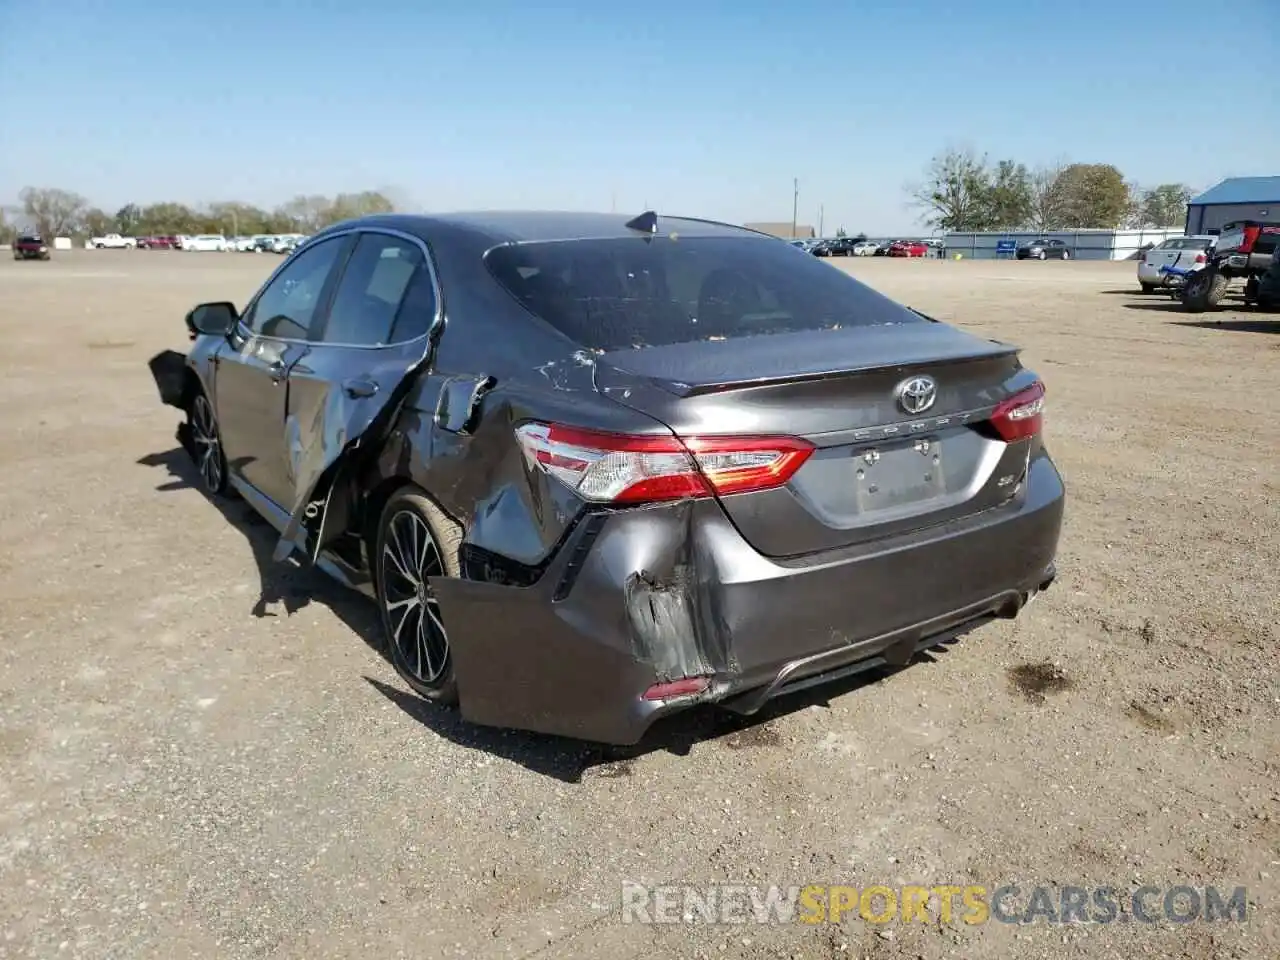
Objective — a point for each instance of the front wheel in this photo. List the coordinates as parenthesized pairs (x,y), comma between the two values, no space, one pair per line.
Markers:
(1066,254)
(1042,255)
(1147,287)
(415,542)
(206,445)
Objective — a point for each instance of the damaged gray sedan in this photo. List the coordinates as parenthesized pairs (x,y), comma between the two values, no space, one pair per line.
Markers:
(596,469)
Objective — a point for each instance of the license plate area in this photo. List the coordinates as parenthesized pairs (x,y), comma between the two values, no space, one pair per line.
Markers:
(891,476)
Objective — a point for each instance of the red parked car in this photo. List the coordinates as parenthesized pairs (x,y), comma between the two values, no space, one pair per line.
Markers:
(159,243)
(30,246)
(909,248)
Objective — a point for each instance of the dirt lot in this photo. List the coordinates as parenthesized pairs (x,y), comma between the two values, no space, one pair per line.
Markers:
(202,754)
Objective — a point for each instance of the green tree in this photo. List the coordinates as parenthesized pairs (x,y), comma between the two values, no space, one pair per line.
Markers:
(346,206)
(1165,205)
(52,211)
(1008,196)
(166,219)
(955,191)
(1094,196)
(97,222)
(127,220)
(236,219)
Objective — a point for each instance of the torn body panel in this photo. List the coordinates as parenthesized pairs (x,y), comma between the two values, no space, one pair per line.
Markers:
(477,474)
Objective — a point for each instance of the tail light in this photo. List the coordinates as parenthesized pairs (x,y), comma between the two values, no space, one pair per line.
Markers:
(617,468)
(1201,258)
(1021,415)
(1250,238)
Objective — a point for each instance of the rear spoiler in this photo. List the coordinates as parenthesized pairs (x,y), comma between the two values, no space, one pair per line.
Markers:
(705,366)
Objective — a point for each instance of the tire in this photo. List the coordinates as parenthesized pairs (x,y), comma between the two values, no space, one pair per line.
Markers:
(206,444)
(416,640)
(1147,287)
(1042,256)
(99,246)
(1204,293)
(1251,289)
(1066,254)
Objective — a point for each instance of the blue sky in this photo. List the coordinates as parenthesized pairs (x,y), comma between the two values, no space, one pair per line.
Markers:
(696,107)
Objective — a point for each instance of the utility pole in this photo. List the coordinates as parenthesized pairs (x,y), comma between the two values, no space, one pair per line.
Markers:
(821,210)
(795,204)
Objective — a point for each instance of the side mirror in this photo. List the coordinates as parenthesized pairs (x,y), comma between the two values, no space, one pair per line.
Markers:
(216,319)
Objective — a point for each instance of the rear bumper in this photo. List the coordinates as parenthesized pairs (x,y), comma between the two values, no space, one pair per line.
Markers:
(645,596)
(1148,273)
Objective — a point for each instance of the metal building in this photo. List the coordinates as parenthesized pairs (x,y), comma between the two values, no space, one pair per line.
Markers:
(1239,198)
(783,230)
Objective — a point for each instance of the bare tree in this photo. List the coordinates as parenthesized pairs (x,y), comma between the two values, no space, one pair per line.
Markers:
(53,212)
(1046,210)
(1134,217)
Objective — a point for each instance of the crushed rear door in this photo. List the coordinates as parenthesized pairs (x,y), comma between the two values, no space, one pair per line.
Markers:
(341,403)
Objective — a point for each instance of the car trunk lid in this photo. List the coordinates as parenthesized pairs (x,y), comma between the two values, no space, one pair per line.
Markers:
(884,464)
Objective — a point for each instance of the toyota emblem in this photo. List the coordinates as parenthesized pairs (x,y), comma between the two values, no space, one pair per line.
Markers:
(917,394)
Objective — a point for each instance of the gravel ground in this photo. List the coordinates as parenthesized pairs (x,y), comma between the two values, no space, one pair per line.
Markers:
(202,754)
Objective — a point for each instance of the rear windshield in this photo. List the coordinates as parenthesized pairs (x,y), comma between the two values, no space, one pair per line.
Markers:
(647,292)
(29,238)
(1184,243)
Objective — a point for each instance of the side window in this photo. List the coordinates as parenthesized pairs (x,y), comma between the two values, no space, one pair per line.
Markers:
(288,304)
(383,282)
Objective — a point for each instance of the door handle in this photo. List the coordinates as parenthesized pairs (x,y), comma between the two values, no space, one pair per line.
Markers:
(277,370)
(359,389)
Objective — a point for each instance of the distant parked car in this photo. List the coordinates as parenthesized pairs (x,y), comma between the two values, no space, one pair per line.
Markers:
(158,243)
(30,246)
(206,241)
(882,250)
(113,241)
(836,247)
(1044,250)
(909,248)
(865,248)
(287,243)
(1178,252)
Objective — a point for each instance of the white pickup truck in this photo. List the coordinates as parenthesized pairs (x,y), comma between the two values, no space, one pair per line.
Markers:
(113,241)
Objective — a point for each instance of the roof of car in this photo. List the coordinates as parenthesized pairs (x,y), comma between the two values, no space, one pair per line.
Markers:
(522,226)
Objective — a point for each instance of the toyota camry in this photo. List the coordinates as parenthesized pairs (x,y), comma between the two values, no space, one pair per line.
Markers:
(596,469)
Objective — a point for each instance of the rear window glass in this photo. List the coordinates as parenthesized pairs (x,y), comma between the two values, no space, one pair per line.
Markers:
(29,238)
(647,292)
(1184,243)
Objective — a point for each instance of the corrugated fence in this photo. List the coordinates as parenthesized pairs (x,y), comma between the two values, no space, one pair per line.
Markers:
(1082,244)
